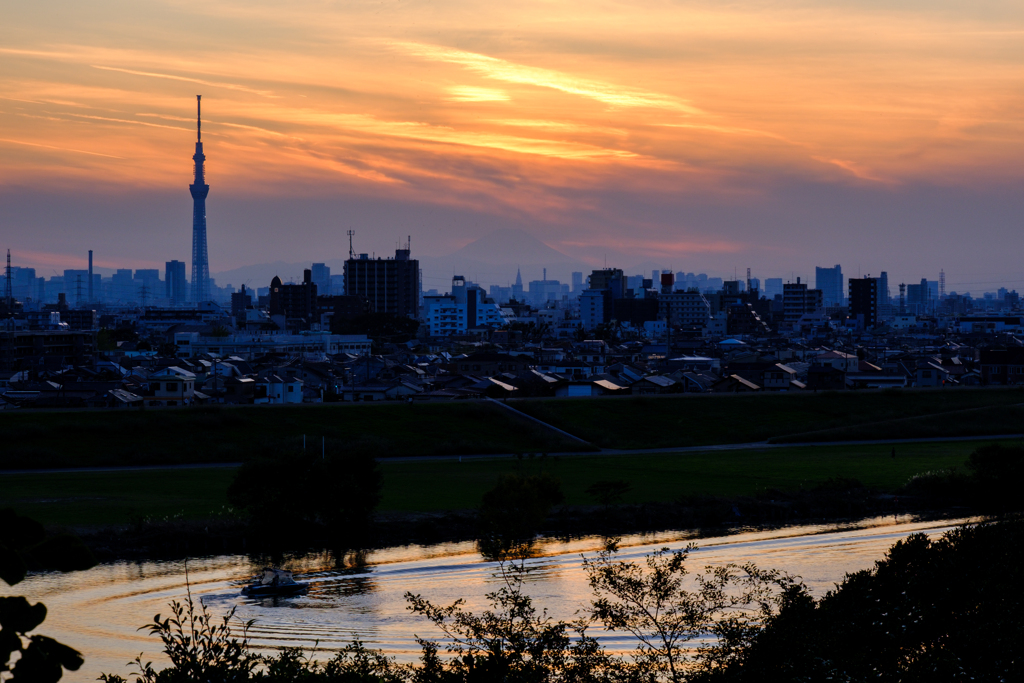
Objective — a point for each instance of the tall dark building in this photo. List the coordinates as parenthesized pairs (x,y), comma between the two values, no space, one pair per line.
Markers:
(389,285)
(174,281)
(797,300)
(295,301)
(864,301)
(199,190)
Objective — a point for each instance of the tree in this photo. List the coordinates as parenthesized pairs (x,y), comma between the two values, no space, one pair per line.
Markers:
(998,473)
(24,544)
(653,603)
(511,642)
(297,495)
(932,610)
(518,505)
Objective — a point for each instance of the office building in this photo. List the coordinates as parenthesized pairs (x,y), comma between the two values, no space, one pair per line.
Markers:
(830,282)
(389,285)
(864,301)
(175,285)
(798,300)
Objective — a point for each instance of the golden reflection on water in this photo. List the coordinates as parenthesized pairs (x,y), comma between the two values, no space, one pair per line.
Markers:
(98,611)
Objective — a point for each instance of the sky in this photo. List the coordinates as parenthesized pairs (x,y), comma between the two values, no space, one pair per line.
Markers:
(703,136)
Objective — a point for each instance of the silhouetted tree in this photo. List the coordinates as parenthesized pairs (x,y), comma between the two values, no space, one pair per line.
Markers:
(300,495)
(517,506)
(932,610)
(25,545)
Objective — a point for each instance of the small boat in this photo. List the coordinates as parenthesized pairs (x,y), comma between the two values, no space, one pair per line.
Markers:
(273,582)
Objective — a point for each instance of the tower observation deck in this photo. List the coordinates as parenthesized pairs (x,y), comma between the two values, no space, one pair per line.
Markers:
(199,190)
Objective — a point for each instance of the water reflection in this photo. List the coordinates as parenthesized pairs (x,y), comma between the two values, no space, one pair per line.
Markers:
(99,610)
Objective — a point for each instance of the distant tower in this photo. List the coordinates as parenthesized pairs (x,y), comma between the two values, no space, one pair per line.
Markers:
(942,284)
(199,190)
(90,277)
(8,290)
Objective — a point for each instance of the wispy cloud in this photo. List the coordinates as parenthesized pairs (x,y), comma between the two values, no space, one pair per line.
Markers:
(61,149)
(469,93)
(129,121)
(502,70)
(188,79)
(855,169)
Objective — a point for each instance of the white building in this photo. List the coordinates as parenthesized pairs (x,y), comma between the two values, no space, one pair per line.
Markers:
(592,307)
(465,308)
(172,387)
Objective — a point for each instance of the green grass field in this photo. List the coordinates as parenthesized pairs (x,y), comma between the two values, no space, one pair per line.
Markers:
(702,420)
(103,498)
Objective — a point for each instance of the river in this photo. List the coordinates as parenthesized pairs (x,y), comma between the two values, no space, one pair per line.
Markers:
(99,611)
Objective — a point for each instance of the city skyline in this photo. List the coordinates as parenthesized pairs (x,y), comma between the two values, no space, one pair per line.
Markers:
(709,139)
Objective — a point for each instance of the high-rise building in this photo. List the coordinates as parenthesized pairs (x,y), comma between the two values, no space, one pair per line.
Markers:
(919,299)
(199,190)
(611,279)
(322,279)
(830,282)
(577,283)
(864,301)
(175,285)
(389,285)
(295,301)
(543,291)
(798,300)
(123,286)
(772,287)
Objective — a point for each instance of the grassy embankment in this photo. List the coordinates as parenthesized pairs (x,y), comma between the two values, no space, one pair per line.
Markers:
(62,439)
(702,420)
(231,434)
(104,498)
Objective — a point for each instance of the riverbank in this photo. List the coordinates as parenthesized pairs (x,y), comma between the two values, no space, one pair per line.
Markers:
(832,503)
(89,500)
(177,513)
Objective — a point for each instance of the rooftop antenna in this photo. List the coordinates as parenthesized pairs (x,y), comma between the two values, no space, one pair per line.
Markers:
(351,252)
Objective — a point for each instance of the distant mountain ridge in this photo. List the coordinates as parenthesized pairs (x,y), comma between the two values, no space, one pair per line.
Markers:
(492,259)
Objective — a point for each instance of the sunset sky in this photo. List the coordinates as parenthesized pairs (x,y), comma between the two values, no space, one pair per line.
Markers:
(702,136)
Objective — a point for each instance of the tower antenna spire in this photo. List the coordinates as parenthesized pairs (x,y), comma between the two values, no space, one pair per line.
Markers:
(199,190)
